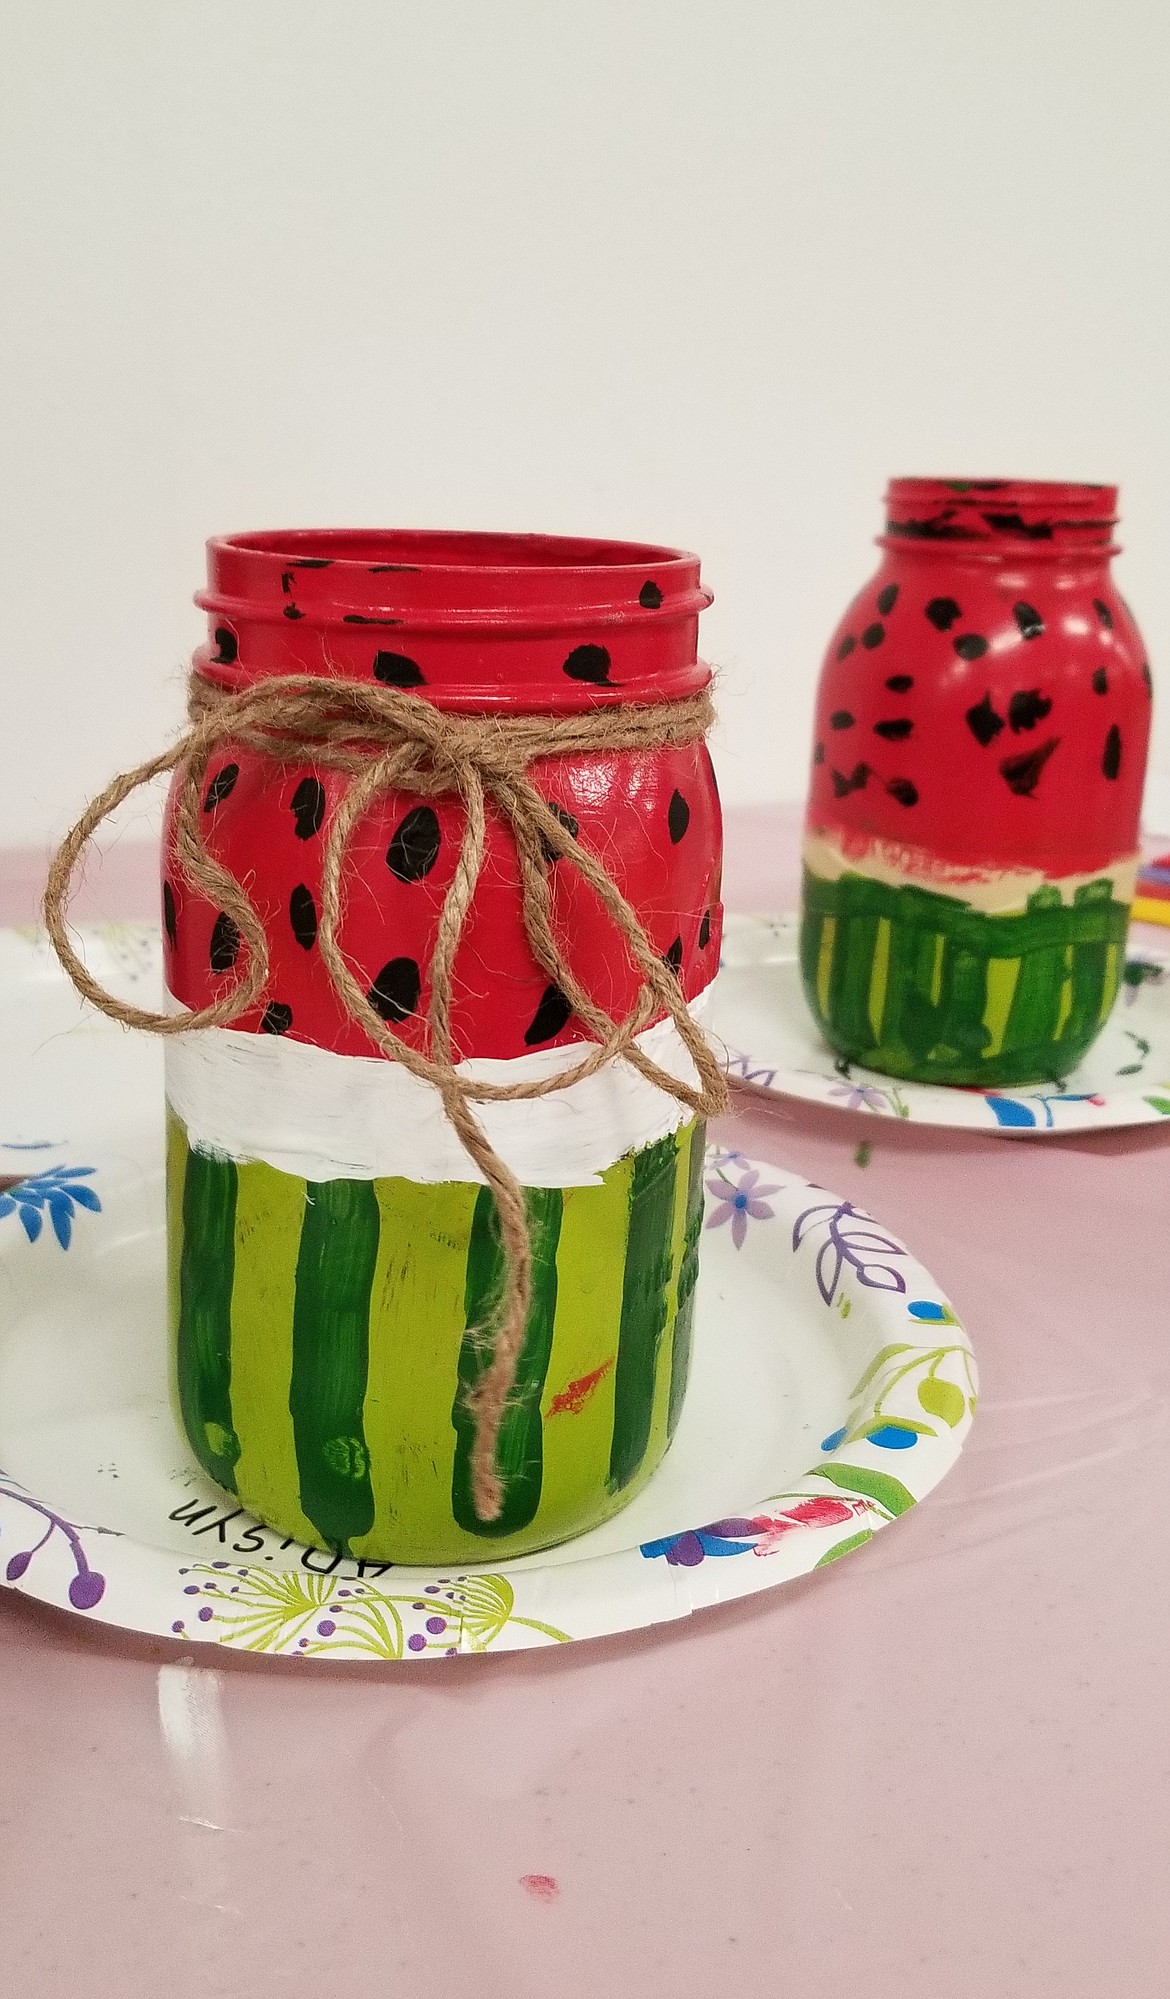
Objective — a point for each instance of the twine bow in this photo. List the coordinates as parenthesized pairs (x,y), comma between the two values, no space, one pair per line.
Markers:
(386,740)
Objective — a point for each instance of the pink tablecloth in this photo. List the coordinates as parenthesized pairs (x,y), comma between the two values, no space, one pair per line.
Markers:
(936,1769)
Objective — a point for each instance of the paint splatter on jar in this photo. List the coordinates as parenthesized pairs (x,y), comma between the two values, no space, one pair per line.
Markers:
(971,837)
(332,1251)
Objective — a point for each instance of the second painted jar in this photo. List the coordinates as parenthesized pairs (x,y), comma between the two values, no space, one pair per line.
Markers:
(971,838)
(332,1251)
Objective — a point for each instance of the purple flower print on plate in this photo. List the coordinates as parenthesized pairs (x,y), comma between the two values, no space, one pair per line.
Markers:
(737,1201)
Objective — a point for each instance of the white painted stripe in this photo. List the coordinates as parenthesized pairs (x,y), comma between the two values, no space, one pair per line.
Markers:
(323,1116)
(994,893)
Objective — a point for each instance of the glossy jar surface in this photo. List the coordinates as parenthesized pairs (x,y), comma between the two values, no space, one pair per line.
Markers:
(971,836)
(330,1245)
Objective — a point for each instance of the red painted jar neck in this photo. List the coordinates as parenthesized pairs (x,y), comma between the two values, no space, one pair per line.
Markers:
(1000,519)
(474,622)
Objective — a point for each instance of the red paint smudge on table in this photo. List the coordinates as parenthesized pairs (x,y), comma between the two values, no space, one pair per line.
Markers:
(542,1887)
(572,1399)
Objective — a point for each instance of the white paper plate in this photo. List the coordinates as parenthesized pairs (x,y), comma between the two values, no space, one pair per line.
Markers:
(832,1388)
(772,1043)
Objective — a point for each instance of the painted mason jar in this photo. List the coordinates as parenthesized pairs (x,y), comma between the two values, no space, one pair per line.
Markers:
(971,838)
(332,1251)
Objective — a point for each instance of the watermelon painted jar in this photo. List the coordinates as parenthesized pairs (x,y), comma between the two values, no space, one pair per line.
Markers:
(971,839)
(333,1254)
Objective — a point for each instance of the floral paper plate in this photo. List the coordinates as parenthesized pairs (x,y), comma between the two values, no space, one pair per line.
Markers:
(772,1043)
(833,1387)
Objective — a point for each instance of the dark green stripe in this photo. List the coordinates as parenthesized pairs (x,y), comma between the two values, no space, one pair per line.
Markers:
(962,1003)
(680,1355)
(204,1346)
(519,1451)
(330,1356)
(644,1307)
(810,949)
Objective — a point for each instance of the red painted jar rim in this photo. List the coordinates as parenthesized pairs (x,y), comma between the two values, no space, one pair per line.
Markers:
(485,620)
(1001,517)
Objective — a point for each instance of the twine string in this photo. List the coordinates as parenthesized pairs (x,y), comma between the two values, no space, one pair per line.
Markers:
(384,740)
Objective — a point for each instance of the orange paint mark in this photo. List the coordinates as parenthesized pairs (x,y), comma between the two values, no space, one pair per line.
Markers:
(572,1399)
(542,1887)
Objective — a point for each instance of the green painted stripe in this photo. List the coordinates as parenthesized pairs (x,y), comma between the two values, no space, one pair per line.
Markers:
(810,953)
(677,1242)
(176,1156)
(519,1452)
(644,1307)
(204,1341)
(417,1322)
(330,1356)
(680,1364)
(963,1004)
(591,1261)
(270,1213)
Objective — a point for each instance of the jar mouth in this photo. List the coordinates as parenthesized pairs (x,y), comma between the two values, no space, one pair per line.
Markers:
(1001,514)
(479,619)
(410,550)
(439,579)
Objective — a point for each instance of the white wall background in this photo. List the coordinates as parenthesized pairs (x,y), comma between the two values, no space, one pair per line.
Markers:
(699,270)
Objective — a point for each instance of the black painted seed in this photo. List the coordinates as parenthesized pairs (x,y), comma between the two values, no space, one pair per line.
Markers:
(857,780)
(678,817)
(550,1016)
(650,596)
(302,915)
(942,612)
(902,789)
(705,930)
(1104,613)
(1026,708)
(394,669)
(225,943)
(887,598)
(846,646)
(227,646)
(570,825)
(900,683)
(395,991)
(970,645)
(841,719)
(1100,681)
(819,754)
(894,731)
(313,562)
(1111,755)
(291,611)
(673,957)
(872,636)
(169,911)
(589,663)
(277,1018)
(413,851)
(307,806)
(221,786)
(983,721)
(1147,676)
(1028,619)
(1022,774)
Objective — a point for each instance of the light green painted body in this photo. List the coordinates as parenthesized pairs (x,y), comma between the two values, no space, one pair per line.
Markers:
(923,986)
(322,1336)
